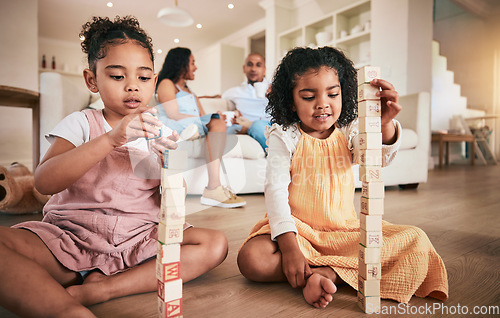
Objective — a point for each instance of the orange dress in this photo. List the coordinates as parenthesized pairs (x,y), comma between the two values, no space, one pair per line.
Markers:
(321,198)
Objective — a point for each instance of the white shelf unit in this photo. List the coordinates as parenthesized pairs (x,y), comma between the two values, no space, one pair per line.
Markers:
(355,43)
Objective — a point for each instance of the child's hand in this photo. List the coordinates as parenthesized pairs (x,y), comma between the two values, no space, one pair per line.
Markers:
(389,99)
(159,145)
(293,263)
(390,108)
(134,126)
(295,268)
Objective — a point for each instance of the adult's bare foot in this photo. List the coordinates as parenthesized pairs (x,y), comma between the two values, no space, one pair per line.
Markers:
(318,290)
(92,290)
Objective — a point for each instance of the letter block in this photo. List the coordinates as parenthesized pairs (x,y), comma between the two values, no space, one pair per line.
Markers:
(171,290)
(370,271)
(169,309)
(175,159)
(368,73)
(171,179)
(169,253)
(369,124)
(369,287)
(370,173)
(173,197)
(369,304)
(169,234)
(373,190)
(370,223)
(371,206)
(370,140)
(369,255)
(369,108)
(172,214)
(367,91)
(168,272)
(370,157)
(371,239)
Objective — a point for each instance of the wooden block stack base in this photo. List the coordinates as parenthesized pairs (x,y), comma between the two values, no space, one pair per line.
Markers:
(372,192)
(170,234)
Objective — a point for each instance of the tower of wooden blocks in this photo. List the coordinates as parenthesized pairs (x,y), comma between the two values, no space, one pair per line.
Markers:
(170,229)
(372,192)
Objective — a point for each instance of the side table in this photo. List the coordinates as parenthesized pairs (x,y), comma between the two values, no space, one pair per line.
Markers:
(445,139)
(20,97)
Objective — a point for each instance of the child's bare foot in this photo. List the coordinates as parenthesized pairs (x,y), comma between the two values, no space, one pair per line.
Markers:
(318,291)
(92,290)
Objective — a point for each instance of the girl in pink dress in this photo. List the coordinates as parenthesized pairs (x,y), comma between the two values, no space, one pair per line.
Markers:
(97,240)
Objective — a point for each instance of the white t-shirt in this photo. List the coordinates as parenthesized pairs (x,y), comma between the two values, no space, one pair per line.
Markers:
(246,101)
(75,129)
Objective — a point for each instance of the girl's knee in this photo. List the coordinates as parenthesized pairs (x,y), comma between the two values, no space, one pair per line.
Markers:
(219,246)
(248,260)
(217,125)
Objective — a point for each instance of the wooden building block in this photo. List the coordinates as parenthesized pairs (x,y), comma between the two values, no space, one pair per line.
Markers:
(369,287)
(370,223)
(373,190)
(175,159)
(370,157)
(370,141)
(370,173)
(367,91)
(370,206)
(172,214)
(168,272)
(173,197)
(172,179)
(169,234)
(169,309)
(369,255)
(370,271)
(369,124)
(168,253)
(171,290)
(371,239)
(369,304)
(369,108)
(368,73)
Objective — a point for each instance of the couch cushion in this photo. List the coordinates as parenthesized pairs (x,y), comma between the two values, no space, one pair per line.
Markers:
(237,146)
(409,139)
(212,105)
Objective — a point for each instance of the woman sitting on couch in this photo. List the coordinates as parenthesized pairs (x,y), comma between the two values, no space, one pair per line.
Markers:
(182,111)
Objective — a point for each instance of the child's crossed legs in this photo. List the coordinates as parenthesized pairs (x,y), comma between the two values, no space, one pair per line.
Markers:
(260,260)
(34,285)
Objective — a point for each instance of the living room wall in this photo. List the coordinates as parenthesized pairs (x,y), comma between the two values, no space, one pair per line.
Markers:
(472,48)
(18,68)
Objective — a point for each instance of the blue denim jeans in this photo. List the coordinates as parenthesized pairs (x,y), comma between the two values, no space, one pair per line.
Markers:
(256,131)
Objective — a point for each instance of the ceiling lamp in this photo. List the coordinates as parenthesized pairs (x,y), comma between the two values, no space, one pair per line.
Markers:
(175,17)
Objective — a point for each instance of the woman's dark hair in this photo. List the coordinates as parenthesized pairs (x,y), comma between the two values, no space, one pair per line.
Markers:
(175,65)
(296,63)
(101,32)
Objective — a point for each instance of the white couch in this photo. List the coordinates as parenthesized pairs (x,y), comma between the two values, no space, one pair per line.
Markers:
(244,160)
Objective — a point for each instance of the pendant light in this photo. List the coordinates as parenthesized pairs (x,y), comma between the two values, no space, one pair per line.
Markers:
(175,16)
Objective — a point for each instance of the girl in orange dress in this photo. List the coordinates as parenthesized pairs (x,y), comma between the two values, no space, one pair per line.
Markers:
(310,234)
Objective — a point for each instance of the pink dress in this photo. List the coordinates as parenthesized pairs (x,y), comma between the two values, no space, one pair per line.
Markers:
(107,219)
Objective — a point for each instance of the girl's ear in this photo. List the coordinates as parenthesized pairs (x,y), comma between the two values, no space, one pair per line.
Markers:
(90,80)
(294,108)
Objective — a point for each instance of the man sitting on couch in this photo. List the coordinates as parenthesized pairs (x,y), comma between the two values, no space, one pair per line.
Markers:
(250,100)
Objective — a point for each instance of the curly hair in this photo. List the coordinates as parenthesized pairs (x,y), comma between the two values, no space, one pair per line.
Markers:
(100,32)
(296,63)
(175,65)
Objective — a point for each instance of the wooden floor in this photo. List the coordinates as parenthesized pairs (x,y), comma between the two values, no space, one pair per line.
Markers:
(459,209)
